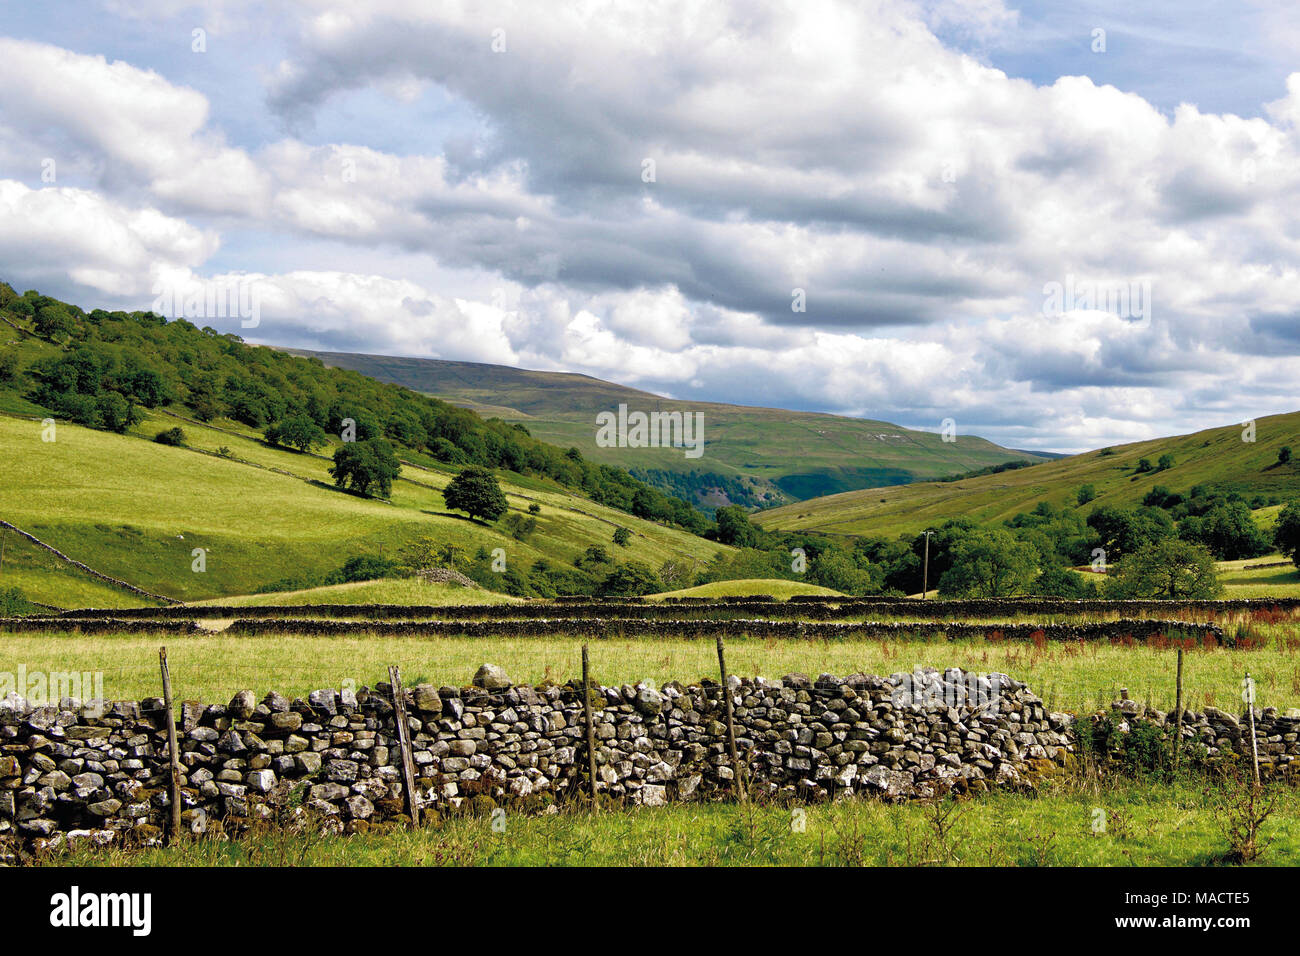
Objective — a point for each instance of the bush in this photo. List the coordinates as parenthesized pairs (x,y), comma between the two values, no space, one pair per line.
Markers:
(366,567)
(622,537)
(520,528)
(8,368)
(14,603)
(1284,455)
(630,580)
(297,431)
(1063,583)
(171,436)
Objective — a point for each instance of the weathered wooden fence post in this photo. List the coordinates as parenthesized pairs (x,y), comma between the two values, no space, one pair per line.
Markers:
(404,744)
(731,724)
(1254,744)
(173,756)
(591,730)
(1178,713)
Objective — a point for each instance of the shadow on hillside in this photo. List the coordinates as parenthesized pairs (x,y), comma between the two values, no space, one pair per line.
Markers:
(452,514)
(345,491)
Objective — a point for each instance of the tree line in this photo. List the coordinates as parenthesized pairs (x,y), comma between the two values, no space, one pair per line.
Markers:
(110,365)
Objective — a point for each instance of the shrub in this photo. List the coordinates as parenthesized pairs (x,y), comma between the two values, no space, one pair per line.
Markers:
(366,567)
(520,528)
(296,431)
(630,580)
(13,603)
(8,368)
(171,436)
(1063,583)
(1284,455)
(622,537)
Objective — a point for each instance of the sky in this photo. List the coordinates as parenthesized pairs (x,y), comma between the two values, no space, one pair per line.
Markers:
(1060,225)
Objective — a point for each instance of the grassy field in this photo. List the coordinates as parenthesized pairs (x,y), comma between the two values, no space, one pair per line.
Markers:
(774,587)
(135,510)
(45,577)
(1214,456)
(1073,676)
(1143,825)
(1240,580)
(800,453)
(384,591)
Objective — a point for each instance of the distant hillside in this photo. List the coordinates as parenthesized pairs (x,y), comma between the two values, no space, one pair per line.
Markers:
(96,487)
(1216,456)
(753,456)
(137,510)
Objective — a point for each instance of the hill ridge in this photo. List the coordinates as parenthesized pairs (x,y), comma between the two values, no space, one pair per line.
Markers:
(756,455)
(1213,456)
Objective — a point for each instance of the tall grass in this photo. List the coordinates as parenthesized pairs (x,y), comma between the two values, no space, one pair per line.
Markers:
(1071,676)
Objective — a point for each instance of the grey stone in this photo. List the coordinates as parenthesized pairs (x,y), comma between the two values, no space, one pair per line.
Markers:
(491,677)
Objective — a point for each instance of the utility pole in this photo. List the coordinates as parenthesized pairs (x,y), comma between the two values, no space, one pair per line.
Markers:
(925,585)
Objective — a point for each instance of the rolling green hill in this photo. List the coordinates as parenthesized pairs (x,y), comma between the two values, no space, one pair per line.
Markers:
(752,456)
(95,486)
(136,510)
(1216,456)
(745,587)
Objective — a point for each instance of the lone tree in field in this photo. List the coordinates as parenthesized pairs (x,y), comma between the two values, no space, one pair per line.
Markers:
(1284,455)
(1286,533)
(296,431)
(475,491)
(622,537)
(362,465)
(1171,568)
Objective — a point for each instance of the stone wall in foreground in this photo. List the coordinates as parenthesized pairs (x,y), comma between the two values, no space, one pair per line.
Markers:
(101,772)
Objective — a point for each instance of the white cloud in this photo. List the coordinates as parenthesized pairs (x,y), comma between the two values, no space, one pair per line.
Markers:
(122,124)
(102,246)
(920,197)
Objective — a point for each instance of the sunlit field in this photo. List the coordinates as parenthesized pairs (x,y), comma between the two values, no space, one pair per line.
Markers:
(1071,823)
(1072,676)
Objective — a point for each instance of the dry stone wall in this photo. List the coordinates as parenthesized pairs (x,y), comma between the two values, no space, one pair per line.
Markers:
(99,771)
(1116,631)
(819,609)
(87,769)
